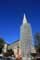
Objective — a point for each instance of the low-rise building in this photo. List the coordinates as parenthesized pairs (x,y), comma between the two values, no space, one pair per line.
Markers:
(14,46)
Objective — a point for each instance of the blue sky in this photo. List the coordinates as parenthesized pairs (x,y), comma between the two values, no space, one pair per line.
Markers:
(11,15)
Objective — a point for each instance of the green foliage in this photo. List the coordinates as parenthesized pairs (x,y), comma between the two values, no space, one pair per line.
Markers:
(37,42)
(0,50)
(11,52)
(1,44)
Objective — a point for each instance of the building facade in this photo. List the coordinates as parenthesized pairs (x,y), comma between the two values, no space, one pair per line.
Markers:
(14,46)
(25,37)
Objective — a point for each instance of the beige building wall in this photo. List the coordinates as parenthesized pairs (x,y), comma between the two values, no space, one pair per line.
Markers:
(14,46)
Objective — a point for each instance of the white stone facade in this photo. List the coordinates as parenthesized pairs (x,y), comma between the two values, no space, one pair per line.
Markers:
(25,37)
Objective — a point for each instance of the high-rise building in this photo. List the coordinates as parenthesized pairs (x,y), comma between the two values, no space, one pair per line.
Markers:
(25,37)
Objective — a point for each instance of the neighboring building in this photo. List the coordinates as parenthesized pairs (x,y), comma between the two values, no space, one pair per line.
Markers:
(33,50)
(14,47)
(25,37)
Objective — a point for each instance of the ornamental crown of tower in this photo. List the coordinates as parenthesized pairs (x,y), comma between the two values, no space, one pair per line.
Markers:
(24,19)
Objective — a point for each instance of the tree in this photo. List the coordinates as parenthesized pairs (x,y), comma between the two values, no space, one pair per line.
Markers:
(1,44)
(11,52)
(37,42)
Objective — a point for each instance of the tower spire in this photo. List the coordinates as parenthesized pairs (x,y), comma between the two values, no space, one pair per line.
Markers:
(24,19)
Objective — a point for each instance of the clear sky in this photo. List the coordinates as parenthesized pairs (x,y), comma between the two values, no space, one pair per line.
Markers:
(11,15)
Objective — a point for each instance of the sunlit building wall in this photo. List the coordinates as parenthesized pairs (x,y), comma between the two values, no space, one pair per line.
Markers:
(25,37)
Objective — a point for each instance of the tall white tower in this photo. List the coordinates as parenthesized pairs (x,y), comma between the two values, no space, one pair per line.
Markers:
(25,37)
